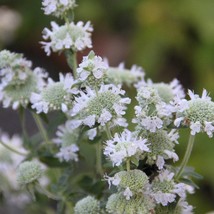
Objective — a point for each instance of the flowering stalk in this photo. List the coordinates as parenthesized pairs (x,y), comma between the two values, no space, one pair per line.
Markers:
(186,156)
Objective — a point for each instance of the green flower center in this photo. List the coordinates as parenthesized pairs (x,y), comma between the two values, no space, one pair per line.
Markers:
(134,179)
(22,92)
(164,91)
(165,186)
(104,100)
(200,110)
(55,95)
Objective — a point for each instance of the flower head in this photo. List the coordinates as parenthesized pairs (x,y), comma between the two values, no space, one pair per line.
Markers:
(164,189)
(121,75)
(124,146)
(28,172)
(198,114)
(161,145)
(87,205)
(117,203)
(92,69)
(69,36)
(18,80)
(55,95)
(130,182)
(153,112)
(58,8)
(102,107)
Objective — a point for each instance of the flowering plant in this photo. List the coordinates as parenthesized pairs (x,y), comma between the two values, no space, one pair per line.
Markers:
(88,142)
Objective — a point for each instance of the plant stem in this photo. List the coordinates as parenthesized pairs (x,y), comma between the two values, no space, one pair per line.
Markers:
(22,120)
(186,156)
(41,127)
(99,158)
(46,192)
(71,57)
(108,131)
(128,165)
(12,149)
(74,62)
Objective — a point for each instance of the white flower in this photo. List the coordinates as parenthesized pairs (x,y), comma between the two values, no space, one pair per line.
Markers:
(92,133)
(199,115)
(57,8)
(195,127)
(209,128)
(92,66)
(185,207)
(151,123)
(68,153)
(128,193)
(55,95)
(18,81)
(124,146)
(113,180)
(101,106)
(161,146)
(160,162)
(104,117)
(153,111)
(66,136)
(69,36)
(171,154)
(164,189)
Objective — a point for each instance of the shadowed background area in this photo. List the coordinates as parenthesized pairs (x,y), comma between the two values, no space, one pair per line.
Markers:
(169,39)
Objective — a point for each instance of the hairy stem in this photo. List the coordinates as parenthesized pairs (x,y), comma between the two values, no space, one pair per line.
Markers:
(186,156)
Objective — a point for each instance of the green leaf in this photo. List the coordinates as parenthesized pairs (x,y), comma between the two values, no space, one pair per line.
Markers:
(135,161)
(190,172)
(189,182)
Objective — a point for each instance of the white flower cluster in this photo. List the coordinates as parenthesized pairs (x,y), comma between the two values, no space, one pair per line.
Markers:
(105,106)
(156,107)
(196,113)
(58,8)
(68,36)
(54,95)
(92,68)
(67,139)
(18,80)
(125,146)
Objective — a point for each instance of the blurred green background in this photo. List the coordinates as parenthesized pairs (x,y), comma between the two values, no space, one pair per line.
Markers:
(169,39)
